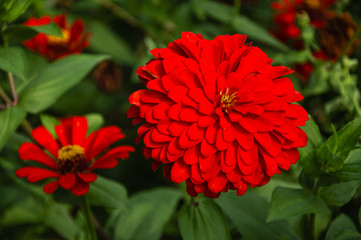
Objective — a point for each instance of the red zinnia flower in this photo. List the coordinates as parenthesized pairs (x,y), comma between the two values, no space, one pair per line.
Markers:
(217,114)
(286,11)
(73,155)
(73,41)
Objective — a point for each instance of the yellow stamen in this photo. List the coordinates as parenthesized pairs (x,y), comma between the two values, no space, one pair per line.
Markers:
(70,152)
(53,40)
(227,100)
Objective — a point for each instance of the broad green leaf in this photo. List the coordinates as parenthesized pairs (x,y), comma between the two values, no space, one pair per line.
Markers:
(221,12)
(95,121)
(49,123)
(340,193)
(27,210)
(248,213)
(318,82)
(15,141)
(147,214)
(202,220)
(348,235)
(107,193)
(288,203)
(105,41)
(308,153)
(21,32)
(57,216)
(334,151)
(13,59)
(13,9)
(341,222)
(10,119)
(254,31)
(56,79)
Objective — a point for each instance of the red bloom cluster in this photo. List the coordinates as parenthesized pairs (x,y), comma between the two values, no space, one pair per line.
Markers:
(286,11)
(73,41)
(217,114)
(73,156)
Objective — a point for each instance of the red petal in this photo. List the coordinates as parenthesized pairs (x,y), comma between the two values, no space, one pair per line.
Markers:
(196,174)
(207,163)
(80,188)
(207,149)
(45,139)
(30,151)
(180,172)
(87,177)
(51,187)
(64,131)
(67,181)
(35,174)
(191,155)
(80,127)
(217,184)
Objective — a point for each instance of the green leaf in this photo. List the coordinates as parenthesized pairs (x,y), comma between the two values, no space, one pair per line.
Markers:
(318,82)
(341,222)
(254,31)
(248,213)
(56,79)
(49,123)
(105,41)
(334,151)
(308,153)
(95,121)
(348,235)
(107,193)
(147,214)
(10,119)
(13,59)
(339,194)
(21,32)
(288,203)
(202,220)
(13,9)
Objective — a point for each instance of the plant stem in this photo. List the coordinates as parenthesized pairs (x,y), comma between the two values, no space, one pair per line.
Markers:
(237,6)
(27,127)
(5,97)
(350,42)
(88,217)
(13,89)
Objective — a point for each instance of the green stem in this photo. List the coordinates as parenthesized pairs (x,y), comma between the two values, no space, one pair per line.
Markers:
(88,217)
(13,88)
(27,127)
(237,6)
(4,96)
(350,42)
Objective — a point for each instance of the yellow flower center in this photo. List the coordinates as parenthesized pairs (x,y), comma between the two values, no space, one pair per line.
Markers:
(228,100)
(313,3)
(71,158)
(53,40)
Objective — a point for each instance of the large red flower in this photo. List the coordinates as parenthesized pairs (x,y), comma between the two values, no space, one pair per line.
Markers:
(72,156)
(217,114)
(73,41)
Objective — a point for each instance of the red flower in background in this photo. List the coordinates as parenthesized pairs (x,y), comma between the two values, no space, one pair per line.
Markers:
(286,11)
(73,41)
(217,114)
(73,156)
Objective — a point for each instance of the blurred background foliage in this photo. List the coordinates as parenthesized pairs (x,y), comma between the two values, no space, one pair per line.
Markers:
(127,30)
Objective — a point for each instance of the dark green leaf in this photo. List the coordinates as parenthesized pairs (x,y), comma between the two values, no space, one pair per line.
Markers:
(147,214)
(107,193)
(342,222)
(248,213)
(13,9)
(12,59)
(49,123)
(21,33)
(55,79)
(308,153)
(202,220)
(221,12)
(288,203)
(348,235)
(318,82)
(95,121)
(106,42)
(10,119)
(339,194)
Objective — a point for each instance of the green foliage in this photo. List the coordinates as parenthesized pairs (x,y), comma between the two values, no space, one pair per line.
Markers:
(54,80)
(10,119)
(10,10)
(202,219)
(12,59)
(22,32)
(288,203)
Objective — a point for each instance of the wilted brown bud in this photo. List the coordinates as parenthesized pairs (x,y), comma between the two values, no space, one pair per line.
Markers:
(109,76)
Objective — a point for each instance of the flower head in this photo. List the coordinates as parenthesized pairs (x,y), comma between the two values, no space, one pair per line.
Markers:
(217,114)
(72,156)
(73,41)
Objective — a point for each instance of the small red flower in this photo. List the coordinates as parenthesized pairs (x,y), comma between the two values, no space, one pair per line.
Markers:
(286,10)
(217,114)
(73,41)
(73,156)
